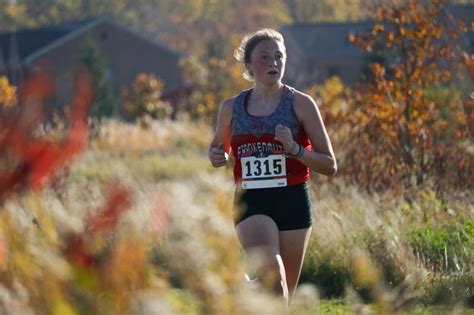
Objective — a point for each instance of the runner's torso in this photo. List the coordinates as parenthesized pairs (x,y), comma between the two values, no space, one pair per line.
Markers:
(254,148)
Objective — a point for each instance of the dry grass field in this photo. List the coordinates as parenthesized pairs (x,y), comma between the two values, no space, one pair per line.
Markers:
(141,223)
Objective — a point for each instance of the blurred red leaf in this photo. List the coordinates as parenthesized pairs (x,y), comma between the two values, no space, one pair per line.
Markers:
(76,251)
(81,99)
(10,180)
(39,158)
(118,202)
(160,217)
(36,86)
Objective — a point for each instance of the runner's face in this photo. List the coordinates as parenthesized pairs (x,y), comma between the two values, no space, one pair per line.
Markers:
(268,62)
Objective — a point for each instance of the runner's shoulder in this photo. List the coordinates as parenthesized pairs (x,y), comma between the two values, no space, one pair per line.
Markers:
(226,109)
(229,102)
(303,103)
(227,105)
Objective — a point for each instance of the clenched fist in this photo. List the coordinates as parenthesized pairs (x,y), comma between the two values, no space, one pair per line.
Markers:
(283,134)
(218,156)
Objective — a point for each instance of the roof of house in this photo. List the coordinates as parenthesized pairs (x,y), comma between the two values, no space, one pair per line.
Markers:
(324,41)
(30,43)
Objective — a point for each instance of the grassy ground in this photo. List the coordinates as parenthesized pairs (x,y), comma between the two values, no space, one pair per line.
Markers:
(369,254)
(393,240)
(336,307)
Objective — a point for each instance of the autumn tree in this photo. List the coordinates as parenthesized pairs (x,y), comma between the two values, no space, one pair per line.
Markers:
(145,98)
(213,33)
(8,99)
(408,122)
(469,91)
(29,13)
(7,93)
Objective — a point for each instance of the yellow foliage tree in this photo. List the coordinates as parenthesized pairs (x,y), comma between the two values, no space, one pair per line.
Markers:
(8,99)
(7,93)
(146,98)
(331,96)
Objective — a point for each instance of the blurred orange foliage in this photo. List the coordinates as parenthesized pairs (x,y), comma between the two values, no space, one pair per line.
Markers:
(36,159)
(97,264)
(7,93)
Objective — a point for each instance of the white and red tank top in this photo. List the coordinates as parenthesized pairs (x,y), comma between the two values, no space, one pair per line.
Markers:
(253,137)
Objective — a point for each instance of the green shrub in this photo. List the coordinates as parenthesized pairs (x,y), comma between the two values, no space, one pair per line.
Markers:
(328,270)
(376,243)
(448,247)
(448,290)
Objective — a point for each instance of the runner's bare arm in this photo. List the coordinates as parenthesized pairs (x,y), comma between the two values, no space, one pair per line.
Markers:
(220,145)
(322,159)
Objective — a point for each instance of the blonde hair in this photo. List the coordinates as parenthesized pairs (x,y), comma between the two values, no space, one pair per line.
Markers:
(250,41)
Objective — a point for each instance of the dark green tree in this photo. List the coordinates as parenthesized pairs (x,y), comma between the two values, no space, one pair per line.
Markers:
(104,101)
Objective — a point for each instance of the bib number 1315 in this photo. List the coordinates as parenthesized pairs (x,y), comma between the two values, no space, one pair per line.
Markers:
(264,172)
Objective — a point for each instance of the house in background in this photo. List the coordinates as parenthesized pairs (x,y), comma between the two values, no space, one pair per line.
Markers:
(321,50)
(317,51)
(57,50)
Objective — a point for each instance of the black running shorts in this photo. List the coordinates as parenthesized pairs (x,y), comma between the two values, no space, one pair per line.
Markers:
(289,207)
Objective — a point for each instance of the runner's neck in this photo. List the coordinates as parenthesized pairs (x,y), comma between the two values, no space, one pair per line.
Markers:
(267,94)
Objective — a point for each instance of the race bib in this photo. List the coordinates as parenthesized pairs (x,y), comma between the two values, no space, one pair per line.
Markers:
(263,172)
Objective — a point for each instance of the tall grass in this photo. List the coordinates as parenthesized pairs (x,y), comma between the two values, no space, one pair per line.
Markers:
(142,224)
